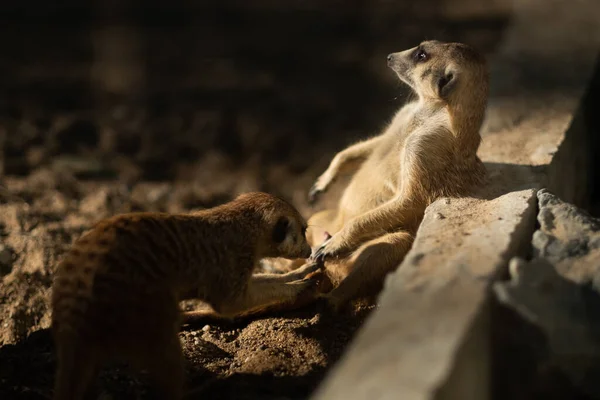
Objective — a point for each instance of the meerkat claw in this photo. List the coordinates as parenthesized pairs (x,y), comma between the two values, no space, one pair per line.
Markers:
(312,267)
(321,253)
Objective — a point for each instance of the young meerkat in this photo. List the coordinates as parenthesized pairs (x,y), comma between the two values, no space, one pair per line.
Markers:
(116,294)
(427,151)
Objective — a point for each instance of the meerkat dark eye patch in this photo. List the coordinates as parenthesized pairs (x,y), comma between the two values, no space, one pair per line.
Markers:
(420,55)
(280,229)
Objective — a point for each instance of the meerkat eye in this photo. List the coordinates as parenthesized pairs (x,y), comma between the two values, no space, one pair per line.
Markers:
(420,55)
(280,230)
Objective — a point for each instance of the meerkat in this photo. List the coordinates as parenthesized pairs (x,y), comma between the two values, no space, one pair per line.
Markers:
(116,293)
(428,150)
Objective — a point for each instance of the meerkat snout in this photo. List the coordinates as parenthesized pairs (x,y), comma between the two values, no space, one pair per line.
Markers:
(400,64)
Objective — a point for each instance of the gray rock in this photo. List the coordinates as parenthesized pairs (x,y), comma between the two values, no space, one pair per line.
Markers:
(558,290)
(566,233)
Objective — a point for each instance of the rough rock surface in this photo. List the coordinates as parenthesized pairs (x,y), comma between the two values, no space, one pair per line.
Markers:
(558,289)
(414,355)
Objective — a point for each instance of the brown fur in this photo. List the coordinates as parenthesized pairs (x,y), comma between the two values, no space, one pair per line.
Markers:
(427,151)
(115,294)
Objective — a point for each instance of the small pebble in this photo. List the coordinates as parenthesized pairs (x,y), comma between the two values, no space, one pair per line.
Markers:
(206,328)
(196,341)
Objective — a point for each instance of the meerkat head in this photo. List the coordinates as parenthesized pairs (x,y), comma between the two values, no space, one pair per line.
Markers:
(438,70)
(283,232)
(288,235)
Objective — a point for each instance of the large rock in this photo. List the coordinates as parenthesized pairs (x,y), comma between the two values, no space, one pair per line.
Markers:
(435,304)
(558,290)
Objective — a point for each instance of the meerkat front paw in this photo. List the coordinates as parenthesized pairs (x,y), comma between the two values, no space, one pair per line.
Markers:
(333,247)
(306,290)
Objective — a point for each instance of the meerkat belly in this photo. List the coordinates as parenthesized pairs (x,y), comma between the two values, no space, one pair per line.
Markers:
(131,307)
(372,185)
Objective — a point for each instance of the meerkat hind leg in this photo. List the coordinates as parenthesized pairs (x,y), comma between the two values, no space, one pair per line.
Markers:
(266,293)
(346,161)
(369,265)
(77,366)
(263,292)
(164,363)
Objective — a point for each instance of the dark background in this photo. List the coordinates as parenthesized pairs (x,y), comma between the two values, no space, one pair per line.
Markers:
(255,84)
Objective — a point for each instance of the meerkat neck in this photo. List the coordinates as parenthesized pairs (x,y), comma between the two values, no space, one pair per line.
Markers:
(466,118)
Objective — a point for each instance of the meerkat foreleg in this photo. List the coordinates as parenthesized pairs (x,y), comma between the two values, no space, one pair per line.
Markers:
(295,275)
(369,264)
(342,162)
(165,364)
(388,217)
(262,292)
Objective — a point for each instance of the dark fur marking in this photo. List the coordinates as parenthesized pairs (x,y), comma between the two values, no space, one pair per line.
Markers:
(426,73)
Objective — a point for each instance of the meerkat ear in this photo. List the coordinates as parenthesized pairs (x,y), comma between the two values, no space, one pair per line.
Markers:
(280,230)
(446,82)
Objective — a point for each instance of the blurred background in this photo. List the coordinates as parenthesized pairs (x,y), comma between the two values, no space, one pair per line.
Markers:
(235,95)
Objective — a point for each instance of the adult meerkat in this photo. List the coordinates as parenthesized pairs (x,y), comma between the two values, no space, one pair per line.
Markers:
(427,151)
(115,294)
